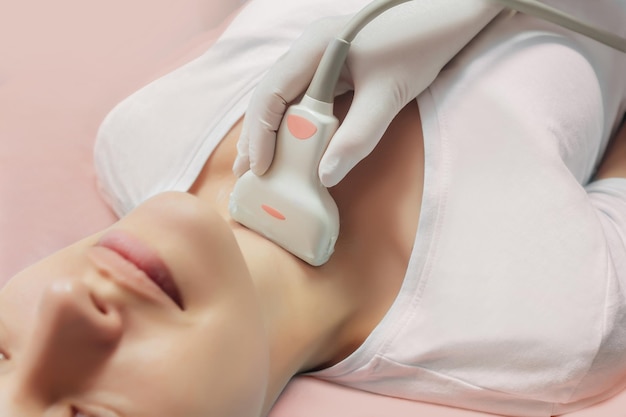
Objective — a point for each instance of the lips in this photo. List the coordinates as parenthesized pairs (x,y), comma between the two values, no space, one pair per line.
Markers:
(145,259)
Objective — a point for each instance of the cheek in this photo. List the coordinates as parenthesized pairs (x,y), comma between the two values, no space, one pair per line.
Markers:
(222,369)
(18,307)
(213,365)
(17,297)
(195,242)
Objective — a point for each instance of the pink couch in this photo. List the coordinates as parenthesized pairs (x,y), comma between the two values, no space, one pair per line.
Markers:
(63,66)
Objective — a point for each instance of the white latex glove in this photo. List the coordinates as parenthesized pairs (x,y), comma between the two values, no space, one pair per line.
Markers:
(391,61)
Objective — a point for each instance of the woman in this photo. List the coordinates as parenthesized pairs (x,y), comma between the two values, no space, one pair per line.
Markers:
(472,269)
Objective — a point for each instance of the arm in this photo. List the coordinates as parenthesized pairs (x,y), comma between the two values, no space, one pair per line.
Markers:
(614,161)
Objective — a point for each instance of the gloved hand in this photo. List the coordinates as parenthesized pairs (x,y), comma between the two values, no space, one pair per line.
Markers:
(391,61)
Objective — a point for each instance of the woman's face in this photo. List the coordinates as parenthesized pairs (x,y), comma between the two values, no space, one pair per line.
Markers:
(86,331)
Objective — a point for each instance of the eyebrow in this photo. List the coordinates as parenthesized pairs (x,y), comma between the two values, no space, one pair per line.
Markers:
(3,327)
(4,332)
(115,410)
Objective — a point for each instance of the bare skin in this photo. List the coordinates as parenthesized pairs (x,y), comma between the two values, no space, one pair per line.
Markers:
(77,340)
(614,161)
(357,286)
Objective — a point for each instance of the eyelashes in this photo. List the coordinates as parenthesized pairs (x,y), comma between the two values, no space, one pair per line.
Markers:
(75,412)
(4,355)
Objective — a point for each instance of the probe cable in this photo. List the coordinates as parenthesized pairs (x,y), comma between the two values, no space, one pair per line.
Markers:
(325,80)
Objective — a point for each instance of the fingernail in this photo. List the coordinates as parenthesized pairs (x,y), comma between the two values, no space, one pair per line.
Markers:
(327,175)
(239,166)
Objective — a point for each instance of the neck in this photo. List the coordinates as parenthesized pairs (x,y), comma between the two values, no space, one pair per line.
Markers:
(306,309)
(302,307)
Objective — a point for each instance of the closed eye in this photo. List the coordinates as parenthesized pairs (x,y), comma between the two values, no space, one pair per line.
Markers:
(78,413)
(92,412)
(4,355)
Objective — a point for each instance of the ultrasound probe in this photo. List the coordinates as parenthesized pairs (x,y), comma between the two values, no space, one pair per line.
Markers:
(288,204)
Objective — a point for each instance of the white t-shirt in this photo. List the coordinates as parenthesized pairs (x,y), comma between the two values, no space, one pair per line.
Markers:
(514,298)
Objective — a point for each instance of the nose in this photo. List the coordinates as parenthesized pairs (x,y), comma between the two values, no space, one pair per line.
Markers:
(74,335)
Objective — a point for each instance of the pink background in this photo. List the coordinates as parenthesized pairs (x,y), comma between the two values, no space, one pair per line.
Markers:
(63,66)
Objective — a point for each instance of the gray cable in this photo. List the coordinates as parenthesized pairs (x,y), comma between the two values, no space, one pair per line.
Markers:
(326,76)
(366,15)
(545,12)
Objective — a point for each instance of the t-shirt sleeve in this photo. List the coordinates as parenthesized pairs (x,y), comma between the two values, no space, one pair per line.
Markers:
(608,197)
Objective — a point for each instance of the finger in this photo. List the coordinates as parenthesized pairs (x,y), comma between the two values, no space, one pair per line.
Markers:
(369,116)
(287,80)
(242,161)
(241,165)
(260,132)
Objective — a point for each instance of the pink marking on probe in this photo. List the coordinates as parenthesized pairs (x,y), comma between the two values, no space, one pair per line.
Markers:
(273,212)
(300,127)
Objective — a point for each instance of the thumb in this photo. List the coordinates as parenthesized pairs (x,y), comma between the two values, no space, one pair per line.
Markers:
(370,114)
